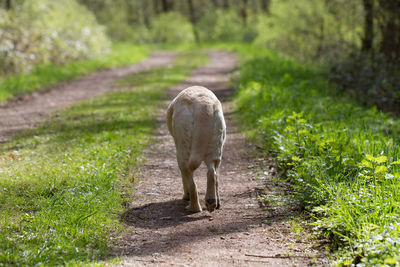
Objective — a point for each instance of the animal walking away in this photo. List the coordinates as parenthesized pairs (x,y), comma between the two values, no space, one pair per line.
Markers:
(196,122)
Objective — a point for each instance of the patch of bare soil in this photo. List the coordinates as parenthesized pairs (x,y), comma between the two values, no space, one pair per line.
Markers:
(242,233)
(32,109)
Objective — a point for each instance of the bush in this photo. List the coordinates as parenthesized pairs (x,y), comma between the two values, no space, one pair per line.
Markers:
(313,30)
(222,25)
(44,31)
(228,27)
(171,28)
(371,79)
(124,20)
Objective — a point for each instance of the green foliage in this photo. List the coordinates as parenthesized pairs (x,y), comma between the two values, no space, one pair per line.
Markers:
(62,185)
(312,30)
(171,28)
(222,25)
(371,79)
(45,31)
(123,19)
(342,159)
(331,33)
(45,75)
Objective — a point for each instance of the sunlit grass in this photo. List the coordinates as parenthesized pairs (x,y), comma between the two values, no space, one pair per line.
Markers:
(62,185)
(341,158)
(44,76)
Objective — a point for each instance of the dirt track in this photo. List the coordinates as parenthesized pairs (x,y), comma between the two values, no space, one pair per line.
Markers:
(28,111)
(161,233)
(158,230)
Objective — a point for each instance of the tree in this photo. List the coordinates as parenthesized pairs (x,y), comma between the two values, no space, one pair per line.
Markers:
(225,4)
(389,24)
(156,7)
(167,5)
(193,20)
(215,3)
(8,4)
(243,11)
(368,38)
(265,5)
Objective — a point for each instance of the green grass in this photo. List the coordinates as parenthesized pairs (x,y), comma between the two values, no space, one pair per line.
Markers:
(44,76)
(341,158)
(62,185)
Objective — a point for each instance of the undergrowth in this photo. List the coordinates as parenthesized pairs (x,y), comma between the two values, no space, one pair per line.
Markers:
(44,76)
(37,32)
(62,185)
(341,158)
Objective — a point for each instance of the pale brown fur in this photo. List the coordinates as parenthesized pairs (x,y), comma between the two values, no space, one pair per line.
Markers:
(196,122)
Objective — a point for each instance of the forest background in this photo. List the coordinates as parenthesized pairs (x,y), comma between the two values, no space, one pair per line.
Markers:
(358,40)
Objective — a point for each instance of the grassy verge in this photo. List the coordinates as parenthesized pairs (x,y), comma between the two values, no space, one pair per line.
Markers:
(44,76)
(62,185)
(341,158)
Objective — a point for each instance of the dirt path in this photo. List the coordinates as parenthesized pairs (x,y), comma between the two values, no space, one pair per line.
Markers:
(34,108)
(161,233)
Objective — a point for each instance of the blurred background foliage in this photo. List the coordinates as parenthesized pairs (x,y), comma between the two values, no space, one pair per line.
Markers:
(36,32)
(358,40)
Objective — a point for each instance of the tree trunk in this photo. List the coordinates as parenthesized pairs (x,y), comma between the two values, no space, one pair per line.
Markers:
(145,14)
(193,20)
(156,7)
(8,4)
(321,40)
(265,5)
(243,12)
(389,24)
(215,3)
(164,6)
(225,4)
(171,5)
(368,37)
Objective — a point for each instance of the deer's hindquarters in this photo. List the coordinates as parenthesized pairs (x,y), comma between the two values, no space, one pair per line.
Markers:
(196,122)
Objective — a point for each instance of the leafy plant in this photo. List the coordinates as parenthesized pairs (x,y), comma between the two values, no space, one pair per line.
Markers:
(341,158)
(312,30)
(171,28)
(371,79)
(45,31)
(224,26)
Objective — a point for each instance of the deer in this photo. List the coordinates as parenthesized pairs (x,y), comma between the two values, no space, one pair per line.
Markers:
(196,122)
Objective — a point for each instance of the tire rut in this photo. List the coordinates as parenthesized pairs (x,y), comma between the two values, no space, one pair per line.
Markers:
(33,109)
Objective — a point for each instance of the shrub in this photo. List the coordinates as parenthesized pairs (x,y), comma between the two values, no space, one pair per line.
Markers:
(171,28)
(228,27)
(222,25)
(124,20)
(371,79)
(43,31)
(313,30)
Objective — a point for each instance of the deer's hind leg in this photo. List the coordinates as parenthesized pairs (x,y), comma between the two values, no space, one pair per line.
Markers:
(186,195)
(212,195)
(217,163)
(190,189)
